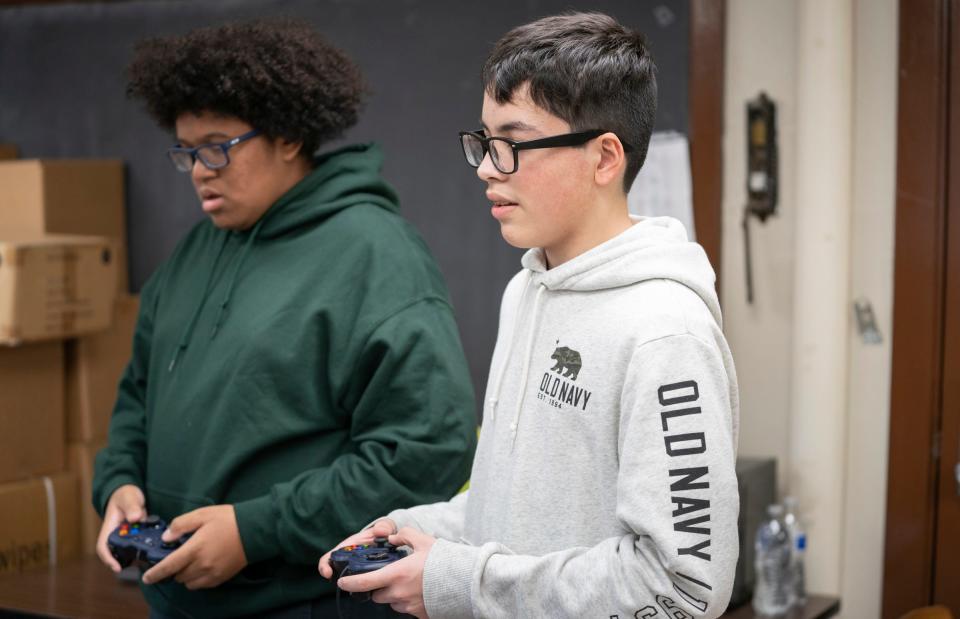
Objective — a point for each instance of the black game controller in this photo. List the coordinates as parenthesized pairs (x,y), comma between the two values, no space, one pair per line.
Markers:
(139,542)
(363,558)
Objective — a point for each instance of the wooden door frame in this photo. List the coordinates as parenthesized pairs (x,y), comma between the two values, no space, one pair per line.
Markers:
(705,123)
(947,565)
(918,305)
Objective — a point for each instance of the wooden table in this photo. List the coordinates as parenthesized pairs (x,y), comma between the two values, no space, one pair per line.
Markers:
(85,589)
(81,589)
(817,607)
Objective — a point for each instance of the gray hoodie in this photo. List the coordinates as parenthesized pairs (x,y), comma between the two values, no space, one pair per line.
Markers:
(603,484)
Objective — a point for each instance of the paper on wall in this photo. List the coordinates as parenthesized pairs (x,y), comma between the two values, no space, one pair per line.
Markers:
(663,186)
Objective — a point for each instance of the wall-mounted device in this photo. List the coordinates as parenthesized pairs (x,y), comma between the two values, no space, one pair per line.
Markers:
(762,175)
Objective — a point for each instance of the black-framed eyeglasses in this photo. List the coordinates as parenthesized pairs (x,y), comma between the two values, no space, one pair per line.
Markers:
(504,151)
(213,156)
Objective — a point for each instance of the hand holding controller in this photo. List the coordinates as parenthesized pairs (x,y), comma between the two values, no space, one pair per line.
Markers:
(363,558)
(139,542)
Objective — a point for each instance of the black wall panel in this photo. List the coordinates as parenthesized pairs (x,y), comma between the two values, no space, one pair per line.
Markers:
(62,95)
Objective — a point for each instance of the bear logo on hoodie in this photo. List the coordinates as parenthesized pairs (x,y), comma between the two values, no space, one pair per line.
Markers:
(567,360)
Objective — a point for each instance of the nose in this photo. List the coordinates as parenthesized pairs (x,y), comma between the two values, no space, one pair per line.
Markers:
(200,171)
(486,170)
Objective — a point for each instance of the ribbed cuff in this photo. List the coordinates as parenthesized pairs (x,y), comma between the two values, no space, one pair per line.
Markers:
(448,579)
(256,522)
(100,502)
(402,518)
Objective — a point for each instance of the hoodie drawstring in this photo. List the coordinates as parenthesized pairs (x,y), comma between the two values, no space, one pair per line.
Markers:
(498,384)
(233,277)
(526,360)
(188,331)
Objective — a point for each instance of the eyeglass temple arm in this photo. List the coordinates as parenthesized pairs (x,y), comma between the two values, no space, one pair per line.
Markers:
(573,139)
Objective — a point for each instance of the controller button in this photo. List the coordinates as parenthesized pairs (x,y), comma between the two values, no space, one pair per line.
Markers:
(123,532)
(381,541)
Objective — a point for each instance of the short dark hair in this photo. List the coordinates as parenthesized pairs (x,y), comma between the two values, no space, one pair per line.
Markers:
(586,69)
(278,75)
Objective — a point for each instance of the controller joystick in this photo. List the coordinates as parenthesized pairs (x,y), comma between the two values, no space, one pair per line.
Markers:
(364,558)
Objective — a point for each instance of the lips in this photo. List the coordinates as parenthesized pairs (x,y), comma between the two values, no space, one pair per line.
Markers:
(501,211)
(210,200)
(502,205)
(500,199)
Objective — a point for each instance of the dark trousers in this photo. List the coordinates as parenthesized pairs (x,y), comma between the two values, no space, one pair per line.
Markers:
(324,608)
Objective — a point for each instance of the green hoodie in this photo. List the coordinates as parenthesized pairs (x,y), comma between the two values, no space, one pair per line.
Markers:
(307,371)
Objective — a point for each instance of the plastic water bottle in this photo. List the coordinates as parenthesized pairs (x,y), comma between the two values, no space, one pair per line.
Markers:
(798,542)
(772,594)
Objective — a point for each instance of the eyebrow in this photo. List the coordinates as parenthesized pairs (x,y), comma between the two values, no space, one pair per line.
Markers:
(516,125)
(206,139)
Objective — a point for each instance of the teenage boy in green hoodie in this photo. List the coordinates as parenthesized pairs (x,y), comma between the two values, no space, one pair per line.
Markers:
(296,368)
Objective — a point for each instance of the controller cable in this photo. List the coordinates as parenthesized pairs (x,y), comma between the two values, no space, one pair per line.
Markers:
(159,588)
(345,572)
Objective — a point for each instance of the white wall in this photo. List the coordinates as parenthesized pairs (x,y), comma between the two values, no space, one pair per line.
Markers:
(871,277)
(821,278)
(761,42)
(763,52)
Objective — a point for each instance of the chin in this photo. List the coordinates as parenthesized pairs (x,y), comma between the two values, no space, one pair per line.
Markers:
(224,223)
(227,220)
(518,238)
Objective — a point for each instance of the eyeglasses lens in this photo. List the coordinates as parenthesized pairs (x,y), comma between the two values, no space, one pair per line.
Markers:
(472,149)
(212,156)
(181,160)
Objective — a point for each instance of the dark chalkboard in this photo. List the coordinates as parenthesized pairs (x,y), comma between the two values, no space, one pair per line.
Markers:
(62,95)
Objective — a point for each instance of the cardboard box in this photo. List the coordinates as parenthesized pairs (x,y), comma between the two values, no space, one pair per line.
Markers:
(94,365)
(29,537)
(8,151)
(55,287)
(80,458)
(31,411)
(65,196)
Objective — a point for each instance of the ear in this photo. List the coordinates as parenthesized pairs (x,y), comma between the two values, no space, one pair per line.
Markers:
(613,161)
(289,151)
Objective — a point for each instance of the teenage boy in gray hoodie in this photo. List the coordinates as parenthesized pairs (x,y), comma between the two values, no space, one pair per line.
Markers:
(603,485)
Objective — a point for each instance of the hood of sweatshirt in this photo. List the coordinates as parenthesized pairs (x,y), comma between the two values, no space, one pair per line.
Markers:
(339,180)
(652,248)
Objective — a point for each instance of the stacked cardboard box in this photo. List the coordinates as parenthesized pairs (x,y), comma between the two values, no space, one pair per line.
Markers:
(94,366)
(38,522)
(65,196)
(62,265)
(80,459)
(31,398)
(55,286)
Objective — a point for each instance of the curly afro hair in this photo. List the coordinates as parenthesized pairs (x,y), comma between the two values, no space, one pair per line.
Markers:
(280,76)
